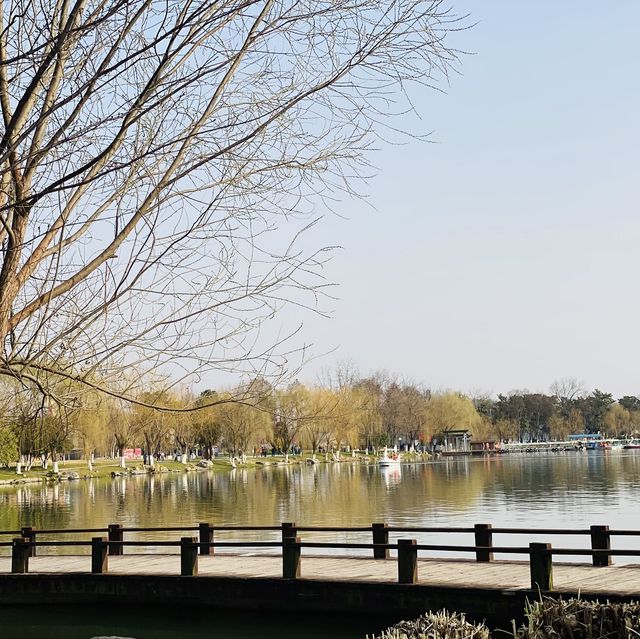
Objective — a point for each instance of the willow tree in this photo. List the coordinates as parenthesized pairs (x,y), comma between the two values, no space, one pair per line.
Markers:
(450,411)
(159,160)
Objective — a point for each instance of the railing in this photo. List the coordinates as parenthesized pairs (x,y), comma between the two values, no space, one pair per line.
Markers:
(113,544)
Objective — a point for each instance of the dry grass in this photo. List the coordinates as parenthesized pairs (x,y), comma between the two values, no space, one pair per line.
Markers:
(552,618)
(438,625)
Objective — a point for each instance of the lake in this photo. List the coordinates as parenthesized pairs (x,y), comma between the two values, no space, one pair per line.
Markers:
(560,490)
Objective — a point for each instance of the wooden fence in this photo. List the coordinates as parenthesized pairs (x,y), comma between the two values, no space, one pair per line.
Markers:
(291,545)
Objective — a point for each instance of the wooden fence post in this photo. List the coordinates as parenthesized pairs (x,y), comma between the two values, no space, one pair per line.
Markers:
(484,539)
(380,536)
(206,537)
(99,554)
(188,556)
(29,533)
(291,558)
(288,530)
(407,561)
(116,535)
(20,555)
(601,540)
(541,566)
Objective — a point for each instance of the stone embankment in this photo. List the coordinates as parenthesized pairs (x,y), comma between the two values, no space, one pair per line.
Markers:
(21,480)
(97,472)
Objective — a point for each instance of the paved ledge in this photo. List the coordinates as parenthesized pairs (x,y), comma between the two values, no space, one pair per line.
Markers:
(496,592)
(621,580)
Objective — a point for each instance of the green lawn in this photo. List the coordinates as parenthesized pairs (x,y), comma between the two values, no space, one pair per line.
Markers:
(104,467)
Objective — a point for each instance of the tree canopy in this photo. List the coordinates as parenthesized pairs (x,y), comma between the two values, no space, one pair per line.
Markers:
(159,160)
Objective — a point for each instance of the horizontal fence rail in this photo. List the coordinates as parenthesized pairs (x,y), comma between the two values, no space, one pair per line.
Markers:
(28,539)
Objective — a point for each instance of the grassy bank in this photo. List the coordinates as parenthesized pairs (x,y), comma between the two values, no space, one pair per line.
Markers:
(104,468)
(109,467)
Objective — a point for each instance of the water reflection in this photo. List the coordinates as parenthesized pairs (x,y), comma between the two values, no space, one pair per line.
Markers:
(391,476)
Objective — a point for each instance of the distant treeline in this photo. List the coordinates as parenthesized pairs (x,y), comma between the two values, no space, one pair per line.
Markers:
(344,411)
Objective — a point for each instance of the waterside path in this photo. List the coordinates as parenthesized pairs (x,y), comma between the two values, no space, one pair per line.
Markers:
(296,573)
(621,580)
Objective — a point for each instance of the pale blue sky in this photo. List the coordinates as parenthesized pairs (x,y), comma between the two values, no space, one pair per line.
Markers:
(506,255)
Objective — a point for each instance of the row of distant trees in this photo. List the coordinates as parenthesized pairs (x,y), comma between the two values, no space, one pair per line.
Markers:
(344,411)
(410,413)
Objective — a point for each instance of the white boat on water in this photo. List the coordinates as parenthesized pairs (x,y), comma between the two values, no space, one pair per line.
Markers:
(389,460)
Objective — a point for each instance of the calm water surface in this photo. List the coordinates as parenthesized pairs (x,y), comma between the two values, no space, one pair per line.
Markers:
(88,622)
(570,490)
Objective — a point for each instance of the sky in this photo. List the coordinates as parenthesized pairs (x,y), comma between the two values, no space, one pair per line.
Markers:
(504,254)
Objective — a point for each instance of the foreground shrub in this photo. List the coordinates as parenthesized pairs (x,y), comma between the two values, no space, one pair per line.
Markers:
(552,618)
(438,625)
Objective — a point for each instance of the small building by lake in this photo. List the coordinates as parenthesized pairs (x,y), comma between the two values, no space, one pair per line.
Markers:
(456,441)
(479,446)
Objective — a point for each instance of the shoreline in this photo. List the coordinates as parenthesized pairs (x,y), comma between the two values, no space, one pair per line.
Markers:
(104,469)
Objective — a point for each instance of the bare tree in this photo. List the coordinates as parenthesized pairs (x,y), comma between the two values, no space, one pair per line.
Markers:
(567,389)
(153,154)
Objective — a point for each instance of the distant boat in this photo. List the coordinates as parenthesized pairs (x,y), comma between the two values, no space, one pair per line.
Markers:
(633,444)
(388,461)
